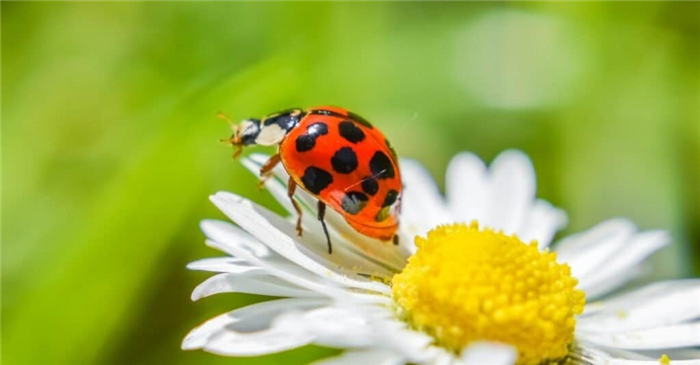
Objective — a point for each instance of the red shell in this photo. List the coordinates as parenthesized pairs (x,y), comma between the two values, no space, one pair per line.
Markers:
(351,168)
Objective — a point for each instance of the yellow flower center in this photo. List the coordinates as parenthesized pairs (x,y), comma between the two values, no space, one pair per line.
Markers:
(465,284)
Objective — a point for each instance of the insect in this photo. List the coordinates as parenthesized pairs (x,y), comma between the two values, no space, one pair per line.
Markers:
(336,156)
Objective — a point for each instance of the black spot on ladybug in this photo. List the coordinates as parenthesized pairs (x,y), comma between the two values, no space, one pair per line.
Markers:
(390,198)
(317,129)
(316,179)
(353,202)
(360,120)
(351,132)
(306,142)
(370,186)
(381,166)
(344,161)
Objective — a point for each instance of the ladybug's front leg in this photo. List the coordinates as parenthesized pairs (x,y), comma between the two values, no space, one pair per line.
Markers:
(266,170)
(291,187)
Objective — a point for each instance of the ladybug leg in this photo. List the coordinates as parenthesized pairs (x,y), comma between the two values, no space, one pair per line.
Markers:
(395,239)
(266,170)
(291,187)
(321,214)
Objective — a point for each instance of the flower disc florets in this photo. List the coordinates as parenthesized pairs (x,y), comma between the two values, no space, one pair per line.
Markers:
(466,284)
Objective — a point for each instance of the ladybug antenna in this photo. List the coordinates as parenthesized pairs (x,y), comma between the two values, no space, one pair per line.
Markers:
(223,116)
(235,139)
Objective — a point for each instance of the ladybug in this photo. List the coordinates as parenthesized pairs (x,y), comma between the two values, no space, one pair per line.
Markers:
(338,157)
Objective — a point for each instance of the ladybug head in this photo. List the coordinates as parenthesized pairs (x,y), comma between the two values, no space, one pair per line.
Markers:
(245,133)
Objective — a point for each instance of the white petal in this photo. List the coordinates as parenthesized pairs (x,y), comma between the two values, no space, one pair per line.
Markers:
(466,186)
(600,289)
(629,299)
(363,252)
(286,273)
(678,336)
(268,342)
(272,263)
(250,283)
(275,338)
(198,337)
(229,238)
(591,354)
(606,256)
(251,259)
(222,264)
(366,325)
(502,197)
(680,354)
(489,353)
(422,206)
(443,357)
(543,221)
(353,325)
(513,185)
(612,274)
(587,250)
(264,226)
(364,356)
(393,334)
(340,326)
(645,308)
(649,362)
(675,354)
(251,319)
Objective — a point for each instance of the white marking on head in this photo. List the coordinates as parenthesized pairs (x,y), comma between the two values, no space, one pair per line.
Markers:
(270,135)
(242,127)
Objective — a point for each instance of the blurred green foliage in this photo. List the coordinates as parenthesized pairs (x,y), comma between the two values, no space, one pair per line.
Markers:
(109,137)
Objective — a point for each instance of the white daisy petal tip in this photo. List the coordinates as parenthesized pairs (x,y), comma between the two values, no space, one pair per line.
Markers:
(198,336)
(188,345)
(220,264)
(468,159)
(206,288)
(224,199)
(663,237)
(192,342)
(226,237)
(514,158)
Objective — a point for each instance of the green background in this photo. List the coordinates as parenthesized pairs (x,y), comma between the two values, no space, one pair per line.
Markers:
(110,137)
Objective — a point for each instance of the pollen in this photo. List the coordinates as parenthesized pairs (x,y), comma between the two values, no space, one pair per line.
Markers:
(466,284)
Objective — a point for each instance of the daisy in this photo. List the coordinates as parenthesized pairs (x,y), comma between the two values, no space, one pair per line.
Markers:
(472,282)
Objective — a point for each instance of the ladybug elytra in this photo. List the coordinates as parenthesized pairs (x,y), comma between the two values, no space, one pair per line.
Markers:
(336,156)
